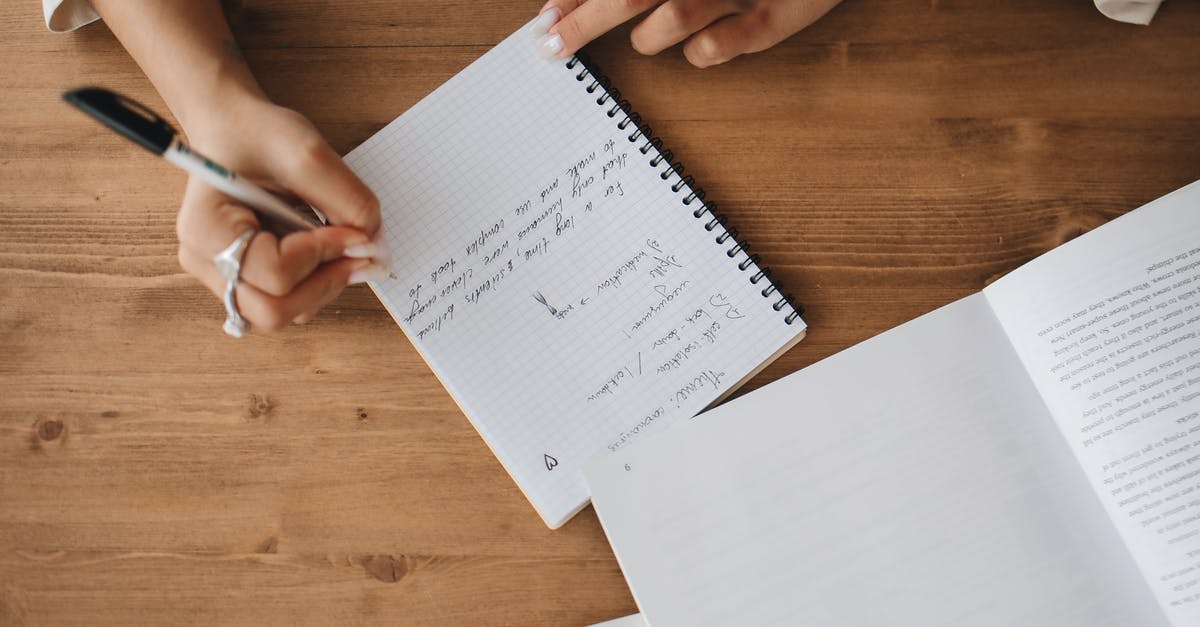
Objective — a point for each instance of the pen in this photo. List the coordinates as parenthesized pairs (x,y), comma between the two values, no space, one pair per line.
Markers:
(147,129)
(138,123)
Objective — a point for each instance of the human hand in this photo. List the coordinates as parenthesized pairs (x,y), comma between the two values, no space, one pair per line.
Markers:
(286,278)
(716,30)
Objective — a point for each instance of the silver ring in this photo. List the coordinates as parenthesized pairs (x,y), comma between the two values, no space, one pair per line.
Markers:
(229,265)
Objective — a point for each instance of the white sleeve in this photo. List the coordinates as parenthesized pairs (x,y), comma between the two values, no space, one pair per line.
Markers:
(1132,11)
(65,15)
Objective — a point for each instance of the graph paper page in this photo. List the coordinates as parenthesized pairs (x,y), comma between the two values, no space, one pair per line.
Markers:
(558,286)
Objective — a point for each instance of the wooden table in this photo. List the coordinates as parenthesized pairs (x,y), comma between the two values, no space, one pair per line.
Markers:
(888,160)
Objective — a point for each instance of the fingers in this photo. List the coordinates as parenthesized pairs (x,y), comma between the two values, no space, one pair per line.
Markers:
(587,22)
(551,13)
(272,313)
(282,278)
(724,40)
(675,20)
(564,6)
(209,222)
(719,30)
(766,24)
(276,266)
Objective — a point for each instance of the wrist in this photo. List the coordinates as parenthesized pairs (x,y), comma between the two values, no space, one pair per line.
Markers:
(211,105)
(188,51)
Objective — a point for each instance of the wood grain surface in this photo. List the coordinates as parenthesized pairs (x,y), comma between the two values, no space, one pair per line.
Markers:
(892,158)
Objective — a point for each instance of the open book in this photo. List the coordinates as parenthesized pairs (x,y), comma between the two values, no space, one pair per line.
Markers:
(566,281)
(1028,455)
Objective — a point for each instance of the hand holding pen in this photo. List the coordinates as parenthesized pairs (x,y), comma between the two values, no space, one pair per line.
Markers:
(285,265)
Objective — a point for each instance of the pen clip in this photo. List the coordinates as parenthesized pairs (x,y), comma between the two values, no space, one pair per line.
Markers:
(124,115)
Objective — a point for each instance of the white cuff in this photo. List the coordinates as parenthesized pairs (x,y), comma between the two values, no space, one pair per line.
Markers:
(67,15)
(1131,11)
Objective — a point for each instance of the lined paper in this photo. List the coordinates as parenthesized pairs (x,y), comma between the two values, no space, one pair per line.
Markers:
(554,281)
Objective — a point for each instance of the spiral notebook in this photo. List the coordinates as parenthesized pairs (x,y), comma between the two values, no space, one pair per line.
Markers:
(569,285)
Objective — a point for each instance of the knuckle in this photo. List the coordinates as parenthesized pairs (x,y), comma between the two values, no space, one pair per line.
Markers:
(762,20)
(293,117)
(333,288)
(277,281)
(571,30)
(704,51)
(185,261)
(270,317)
(327,291)
(333,285)
(364,208)
(313,152)
(674,14)
(289,126)
(184,223)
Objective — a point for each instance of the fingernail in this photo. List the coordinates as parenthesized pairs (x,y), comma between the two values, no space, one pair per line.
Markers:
(544,21)
(383,252)
(361,251)
(373,272)
(550,46)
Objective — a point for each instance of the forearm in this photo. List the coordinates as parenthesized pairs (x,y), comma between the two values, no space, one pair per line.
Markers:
(186,49)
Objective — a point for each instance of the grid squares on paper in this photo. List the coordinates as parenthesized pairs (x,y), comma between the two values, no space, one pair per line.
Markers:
(458,163)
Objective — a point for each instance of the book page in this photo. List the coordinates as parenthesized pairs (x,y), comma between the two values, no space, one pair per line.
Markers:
(1108,326)
(915,479)
(552,276)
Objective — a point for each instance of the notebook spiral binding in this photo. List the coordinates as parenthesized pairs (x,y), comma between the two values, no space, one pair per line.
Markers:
(641,129)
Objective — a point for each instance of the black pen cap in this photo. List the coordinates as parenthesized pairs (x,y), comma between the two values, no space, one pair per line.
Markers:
(125,116)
